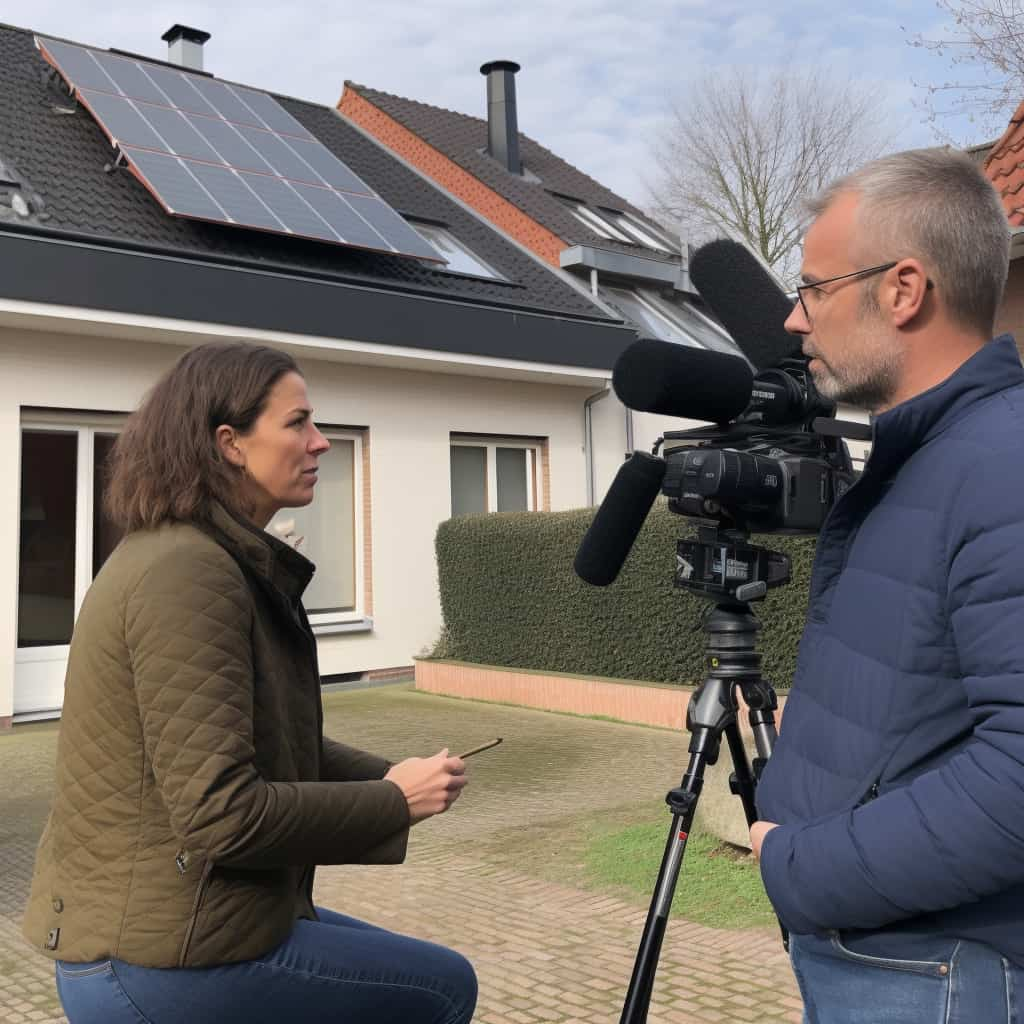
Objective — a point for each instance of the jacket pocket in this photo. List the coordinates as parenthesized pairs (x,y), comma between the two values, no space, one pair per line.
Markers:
(197,905)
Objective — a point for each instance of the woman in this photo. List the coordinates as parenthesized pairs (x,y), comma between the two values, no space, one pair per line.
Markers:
(195,790)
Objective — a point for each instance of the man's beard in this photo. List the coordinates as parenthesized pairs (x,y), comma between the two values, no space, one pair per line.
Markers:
(870,380)
(871,388)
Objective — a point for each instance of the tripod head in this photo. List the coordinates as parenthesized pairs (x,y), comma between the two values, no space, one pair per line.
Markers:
(723,566)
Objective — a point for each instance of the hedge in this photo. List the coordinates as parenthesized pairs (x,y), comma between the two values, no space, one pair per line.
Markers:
(509,597)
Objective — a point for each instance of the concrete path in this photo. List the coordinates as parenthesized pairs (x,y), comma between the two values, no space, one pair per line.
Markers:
(494,878)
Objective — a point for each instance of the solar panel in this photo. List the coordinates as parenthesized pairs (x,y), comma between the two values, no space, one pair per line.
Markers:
(212,151)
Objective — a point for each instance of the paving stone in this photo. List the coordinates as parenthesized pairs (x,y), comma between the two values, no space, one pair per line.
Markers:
(544,951)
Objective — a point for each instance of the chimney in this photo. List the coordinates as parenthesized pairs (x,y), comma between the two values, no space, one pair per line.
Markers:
(185,46)
(502,123)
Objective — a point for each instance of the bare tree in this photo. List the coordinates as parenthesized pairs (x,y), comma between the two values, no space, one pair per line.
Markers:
(987,39)
(742,151)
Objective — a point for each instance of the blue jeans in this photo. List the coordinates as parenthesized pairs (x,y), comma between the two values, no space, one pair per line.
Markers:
(941,981)
(333,971)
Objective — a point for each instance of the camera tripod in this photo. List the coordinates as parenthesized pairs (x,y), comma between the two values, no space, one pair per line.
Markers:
(732,665)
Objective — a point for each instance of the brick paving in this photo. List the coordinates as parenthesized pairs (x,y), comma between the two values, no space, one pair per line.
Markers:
(544,947)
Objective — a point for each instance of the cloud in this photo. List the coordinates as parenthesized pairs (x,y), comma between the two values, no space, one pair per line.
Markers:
(597,77)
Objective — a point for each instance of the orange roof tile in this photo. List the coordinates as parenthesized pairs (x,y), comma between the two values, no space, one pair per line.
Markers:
(1004,166)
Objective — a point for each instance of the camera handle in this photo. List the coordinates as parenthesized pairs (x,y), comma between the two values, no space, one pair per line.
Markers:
(732,664)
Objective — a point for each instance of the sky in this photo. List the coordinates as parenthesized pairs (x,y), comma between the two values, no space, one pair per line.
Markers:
(598,77)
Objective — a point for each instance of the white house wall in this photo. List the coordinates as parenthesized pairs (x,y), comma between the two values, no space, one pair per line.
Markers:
(409,415)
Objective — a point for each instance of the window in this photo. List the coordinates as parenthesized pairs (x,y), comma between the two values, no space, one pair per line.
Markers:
(461,260)
(645,234)
(591,219)
(670,321)
(329,532)
(620,227)
(494,475)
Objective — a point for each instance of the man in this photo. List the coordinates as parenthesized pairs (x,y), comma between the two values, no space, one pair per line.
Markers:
(892,845)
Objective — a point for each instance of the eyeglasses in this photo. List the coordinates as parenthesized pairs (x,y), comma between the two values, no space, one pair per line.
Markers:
(867,272)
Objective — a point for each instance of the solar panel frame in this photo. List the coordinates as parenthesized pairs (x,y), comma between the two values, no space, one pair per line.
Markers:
(235,197)
(120,119)
(180,92)
(231,147)
(296,212)
(168,179)
(274,116)
(131,79)
(228,154)
(340,215)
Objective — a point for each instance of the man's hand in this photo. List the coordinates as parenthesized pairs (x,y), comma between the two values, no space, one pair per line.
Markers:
(430,784)
(757,833)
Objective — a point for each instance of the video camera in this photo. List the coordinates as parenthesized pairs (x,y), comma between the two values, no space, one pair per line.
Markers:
(773,462)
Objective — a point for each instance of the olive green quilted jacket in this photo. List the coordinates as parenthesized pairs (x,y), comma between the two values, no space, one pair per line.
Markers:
(195,791)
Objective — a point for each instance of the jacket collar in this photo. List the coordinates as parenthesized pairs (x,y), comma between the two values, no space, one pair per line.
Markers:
(900,431)
(264,554)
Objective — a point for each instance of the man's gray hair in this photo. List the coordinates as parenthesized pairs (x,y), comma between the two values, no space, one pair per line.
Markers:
(937,206)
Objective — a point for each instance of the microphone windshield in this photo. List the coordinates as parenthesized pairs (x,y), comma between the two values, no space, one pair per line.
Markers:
(676,380)
(619,519)
(747,300)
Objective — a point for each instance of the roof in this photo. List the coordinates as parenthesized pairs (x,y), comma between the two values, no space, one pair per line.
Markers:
(1004,167)
(463,139)
(61,160)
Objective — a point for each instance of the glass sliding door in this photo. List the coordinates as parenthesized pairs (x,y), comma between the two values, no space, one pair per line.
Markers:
(63,540)
(46,545)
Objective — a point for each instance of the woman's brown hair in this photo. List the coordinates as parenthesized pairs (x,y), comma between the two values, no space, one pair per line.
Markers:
(166,464)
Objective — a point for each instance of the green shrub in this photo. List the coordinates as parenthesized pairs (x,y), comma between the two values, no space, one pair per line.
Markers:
(509,597)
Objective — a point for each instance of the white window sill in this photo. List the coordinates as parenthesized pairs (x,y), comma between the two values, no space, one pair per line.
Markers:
(363,625)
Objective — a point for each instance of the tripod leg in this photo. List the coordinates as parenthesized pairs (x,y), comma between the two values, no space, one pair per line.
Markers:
(683,802)
(742,781)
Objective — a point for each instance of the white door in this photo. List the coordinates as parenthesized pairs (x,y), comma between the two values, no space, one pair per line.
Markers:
(63,540)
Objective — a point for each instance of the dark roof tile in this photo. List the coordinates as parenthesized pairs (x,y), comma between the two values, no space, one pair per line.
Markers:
(463,139)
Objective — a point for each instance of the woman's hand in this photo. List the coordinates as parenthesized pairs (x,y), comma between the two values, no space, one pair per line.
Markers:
(430,784)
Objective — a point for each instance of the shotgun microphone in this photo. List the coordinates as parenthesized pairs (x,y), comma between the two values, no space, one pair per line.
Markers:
(619,519)
(747,300)
(675,380)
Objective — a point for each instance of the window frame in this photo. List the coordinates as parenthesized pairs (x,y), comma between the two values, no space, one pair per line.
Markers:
(534,469)
(85,426)
(490,274)
(322,622)
(593,220)
(643,234)
(664,312)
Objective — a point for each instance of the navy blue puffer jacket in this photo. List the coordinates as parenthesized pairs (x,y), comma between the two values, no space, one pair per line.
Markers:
(898,777)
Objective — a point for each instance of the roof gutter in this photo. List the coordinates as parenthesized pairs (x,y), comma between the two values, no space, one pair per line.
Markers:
(199,258)
(64,274)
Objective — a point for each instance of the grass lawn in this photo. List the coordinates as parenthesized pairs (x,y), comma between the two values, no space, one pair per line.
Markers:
(619,851)
(719,885)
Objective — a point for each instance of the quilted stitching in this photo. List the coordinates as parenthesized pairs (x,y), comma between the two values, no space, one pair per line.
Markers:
(192,722)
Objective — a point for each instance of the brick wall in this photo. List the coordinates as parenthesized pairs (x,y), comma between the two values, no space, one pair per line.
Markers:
(451,177)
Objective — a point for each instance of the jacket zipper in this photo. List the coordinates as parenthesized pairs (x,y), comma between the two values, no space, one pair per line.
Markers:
(183,858)
(870,795)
